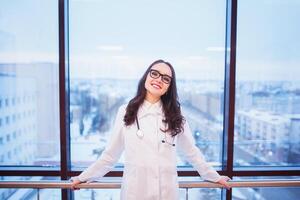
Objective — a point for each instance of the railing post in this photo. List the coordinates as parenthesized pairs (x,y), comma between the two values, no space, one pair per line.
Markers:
(38,194)
(186,193)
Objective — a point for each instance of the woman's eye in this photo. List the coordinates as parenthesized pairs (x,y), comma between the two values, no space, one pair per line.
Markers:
(167,79)
(154,73)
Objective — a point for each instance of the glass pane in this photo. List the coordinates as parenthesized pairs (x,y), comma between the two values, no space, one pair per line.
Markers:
(114,194)
(29,193)
(105,194)
(200,193)
(265,193)
(29,111)
(110,52)
(109,194)
(274,193)
(267,120)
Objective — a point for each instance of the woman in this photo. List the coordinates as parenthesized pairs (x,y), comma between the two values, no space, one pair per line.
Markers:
(150,129)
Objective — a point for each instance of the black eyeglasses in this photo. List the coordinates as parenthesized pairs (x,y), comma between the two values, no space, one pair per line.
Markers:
(164,78)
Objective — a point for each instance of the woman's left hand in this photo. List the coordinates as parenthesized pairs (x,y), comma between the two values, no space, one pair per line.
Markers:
(223,181)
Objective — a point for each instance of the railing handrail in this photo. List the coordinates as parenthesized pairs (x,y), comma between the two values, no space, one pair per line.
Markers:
(182,184)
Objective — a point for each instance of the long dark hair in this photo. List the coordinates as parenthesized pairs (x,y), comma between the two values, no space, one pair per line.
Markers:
(171,107)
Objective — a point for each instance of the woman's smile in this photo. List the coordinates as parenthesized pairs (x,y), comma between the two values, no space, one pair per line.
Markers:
(156,85)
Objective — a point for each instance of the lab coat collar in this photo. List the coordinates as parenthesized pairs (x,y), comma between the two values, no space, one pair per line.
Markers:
(150,108)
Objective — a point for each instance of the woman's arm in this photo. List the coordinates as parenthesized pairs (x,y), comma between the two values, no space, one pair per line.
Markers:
(109,156)
(186,144)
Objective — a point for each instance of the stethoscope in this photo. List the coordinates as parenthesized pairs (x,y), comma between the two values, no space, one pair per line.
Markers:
(140,134)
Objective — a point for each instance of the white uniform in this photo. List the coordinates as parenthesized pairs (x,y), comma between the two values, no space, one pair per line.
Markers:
(150,165)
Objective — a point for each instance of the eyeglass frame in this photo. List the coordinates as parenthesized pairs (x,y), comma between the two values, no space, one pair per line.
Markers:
(160,75)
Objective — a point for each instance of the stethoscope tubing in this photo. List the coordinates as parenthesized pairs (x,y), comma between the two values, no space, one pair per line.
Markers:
(140,134)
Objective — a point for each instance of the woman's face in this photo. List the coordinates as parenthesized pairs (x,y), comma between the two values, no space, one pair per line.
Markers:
(158,79)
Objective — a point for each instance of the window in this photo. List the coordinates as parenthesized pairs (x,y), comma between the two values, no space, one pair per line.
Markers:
(29,68)
(6,102)
(267,90)
(7,138)
(7,120)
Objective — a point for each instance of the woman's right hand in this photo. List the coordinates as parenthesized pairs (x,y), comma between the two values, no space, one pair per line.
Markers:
(74,184)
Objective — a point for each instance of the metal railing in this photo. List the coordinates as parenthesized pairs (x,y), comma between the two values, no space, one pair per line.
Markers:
(117,184)
(182,184)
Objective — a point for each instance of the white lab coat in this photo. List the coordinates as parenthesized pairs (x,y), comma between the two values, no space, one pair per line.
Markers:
(150,165)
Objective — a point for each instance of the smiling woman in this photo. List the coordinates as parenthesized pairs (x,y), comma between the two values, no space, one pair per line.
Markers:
(154,114)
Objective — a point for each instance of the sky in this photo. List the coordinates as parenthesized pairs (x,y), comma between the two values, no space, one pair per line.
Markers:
(120,39)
